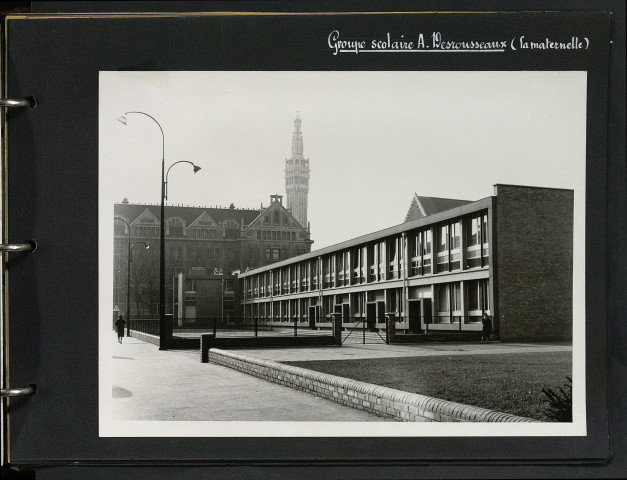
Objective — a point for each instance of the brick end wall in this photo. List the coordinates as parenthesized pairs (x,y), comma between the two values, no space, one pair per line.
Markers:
(534,242)
(381,401)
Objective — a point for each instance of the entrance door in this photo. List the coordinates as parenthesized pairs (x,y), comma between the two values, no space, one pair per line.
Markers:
(414,316)
(312,317)
(371,315)
(425,311)
(381,312)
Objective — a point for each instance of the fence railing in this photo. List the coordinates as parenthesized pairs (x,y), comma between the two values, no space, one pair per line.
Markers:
(362,326)
(364,330)
(149,326)
(244,326)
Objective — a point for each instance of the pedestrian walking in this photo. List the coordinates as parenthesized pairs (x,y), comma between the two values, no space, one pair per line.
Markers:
(120,326)
(487,327)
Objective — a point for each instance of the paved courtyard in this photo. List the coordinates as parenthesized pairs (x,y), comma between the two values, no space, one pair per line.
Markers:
(149,384)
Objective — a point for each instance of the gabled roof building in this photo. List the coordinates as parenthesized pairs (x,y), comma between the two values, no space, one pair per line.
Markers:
(199,240)
(424,206)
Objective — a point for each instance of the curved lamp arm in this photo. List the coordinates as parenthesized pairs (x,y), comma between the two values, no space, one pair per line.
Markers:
(122,119)
(122,220)
(196,168)
(146,247)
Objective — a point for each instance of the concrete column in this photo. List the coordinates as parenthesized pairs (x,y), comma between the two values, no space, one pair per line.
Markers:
(390,330)
(406,263)
(337,329)
(462,303)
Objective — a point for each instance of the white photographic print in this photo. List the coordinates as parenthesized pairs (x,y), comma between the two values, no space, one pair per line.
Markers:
(342,254)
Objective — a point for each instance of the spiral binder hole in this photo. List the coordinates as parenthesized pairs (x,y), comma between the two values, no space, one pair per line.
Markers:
(32,103)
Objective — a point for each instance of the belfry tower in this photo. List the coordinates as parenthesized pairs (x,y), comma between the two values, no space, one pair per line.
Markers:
(297,177)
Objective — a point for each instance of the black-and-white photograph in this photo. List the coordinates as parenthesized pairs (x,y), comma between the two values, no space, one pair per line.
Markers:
(342,253)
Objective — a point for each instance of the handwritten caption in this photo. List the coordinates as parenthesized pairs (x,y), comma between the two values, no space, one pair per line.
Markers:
(437,42)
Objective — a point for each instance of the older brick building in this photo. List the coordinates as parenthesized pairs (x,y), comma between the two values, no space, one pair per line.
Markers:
(199,241)
(509,255)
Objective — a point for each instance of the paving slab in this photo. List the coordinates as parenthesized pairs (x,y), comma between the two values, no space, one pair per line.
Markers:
(149,384)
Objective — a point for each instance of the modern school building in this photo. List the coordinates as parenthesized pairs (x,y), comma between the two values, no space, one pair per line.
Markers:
(509,255)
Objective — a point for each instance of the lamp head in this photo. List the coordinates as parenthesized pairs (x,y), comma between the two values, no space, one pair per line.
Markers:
(196,168)
(147,246)
(122,119)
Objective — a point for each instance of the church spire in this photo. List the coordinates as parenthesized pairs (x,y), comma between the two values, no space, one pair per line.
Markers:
(297,176)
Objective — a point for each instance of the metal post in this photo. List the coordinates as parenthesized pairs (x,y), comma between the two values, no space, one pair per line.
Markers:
(128,287)
(128,280)
(164,340)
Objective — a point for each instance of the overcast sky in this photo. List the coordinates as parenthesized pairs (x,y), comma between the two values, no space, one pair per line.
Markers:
(373,138)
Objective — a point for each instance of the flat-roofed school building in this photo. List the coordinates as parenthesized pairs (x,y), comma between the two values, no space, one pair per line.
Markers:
(509,255)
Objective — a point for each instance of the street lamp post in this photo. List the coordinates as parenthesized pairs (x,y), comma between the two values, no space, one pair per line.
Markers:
(128,285)
(164,338)
(128,276)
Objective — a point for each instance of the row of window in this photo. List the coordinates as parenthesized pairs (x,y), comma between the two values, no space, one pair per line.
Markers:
(202,253)
(276,235)
(296,180)
(275,254)
(465,239)
(275,218)
(448,305)
(207,233)
(191,284)
(187,253)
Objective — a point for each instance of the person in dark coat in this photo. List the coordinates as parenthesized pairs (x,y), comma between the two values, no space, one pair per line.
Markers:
(487,327)
(120,326)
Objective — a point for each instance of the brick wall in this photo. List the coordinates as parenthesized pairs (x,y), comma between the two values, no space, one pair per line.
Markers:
(382,401)
(534,263)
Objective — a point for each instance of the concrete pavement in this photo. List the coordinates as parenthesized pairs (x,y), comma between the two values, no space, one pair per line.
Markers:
(149,384)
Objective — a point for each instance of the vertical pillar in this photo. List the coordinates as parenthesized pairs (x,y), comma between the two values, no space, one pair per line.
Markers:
(390,328)
(463,222)
(337,329)
(462,303)
(406,263)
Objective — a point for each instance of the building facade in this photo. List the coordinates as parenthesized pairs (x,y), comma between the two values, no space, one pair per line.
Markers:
(297,177)
(508,255)
(200,297)
(198,241)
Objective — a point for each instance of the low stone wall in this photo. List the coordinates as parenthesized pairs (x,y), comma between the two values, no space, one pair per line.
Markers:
(176,343)
(144,337)
(382,401)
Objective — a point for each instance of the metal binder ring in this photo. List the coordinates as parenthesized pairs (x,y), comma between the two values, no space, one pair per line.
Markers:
(18,392)
(15,102)
(18,247)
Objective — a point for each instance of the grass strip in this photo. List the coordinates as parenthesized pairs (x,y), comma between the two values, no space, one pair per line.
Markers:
(510,383)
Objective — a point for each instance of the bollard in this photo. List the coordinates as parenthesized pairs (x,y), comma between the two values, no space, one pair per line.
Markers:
(337,329)
(390,328)
(207,340)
